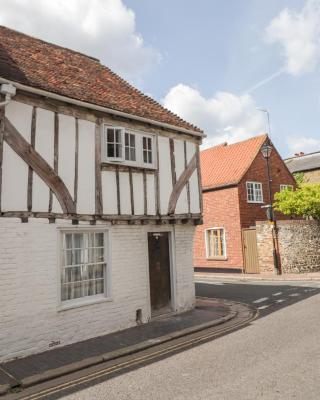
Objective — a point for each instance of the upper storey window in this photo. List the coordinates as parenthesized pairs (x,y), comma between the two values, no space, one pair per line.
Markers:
(121,145)
(254,192)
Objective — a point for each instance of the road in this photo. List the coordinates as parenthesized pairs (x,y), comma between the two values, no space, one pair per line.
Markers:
(276,357)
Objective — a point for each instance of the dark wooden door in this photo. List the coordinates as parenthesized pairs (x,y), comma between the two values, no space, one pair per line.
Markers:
(159,272)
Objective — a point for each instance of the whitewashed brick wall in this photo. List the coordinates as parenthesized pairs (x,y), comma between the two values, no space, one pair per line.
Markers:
(30,318)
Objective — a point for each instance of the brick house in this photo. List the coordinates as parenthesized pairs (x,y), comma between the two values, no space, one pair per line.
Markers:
(99,199)
(235,187)
(307,164)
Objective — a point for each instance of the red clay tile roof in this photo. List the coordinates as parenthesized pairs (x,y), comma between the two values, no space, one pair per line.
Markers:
(45,66)
(226,164)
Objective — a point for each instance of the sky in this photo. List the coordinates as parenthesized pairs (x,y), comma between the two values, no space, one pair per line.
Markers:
(213,62)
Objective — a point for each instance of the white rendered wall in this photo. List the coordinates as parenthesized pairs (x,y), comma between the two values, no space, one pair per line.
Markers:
(165,177)
(86,168)
(109,192)
(14,169)
(29,298)
(182,203)
(193,181)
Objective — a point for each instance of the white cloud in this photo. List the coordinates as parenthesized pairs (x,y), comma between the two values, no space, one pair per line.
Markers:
(224,117)
(299,36)
(101,28)
(302,143)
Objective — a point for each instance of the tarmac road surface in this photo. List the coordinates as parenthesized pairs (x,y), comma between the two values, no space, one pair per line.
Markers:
(276,357)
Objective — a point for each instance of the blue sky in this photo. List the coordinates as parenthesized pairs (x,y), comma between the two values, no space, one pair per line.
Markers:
(211,61)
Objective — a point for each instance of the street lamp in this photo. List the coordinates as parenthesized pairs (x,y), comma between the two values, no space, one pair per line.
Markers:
(266,151)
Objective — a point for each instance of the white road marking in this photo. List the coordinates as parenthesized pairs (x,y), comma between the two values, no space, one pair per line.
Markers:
(294,294)
(263,307)
(210,282)
(277,294)
(280,300)
(260,300)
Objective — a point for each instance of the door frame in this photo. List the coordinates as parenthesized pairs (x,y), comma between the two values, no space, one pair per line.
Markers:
(173,276)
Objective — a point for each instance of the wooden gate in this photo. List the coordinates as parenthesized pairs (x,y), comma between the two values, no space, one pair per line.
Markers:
(250,251)
(159,272)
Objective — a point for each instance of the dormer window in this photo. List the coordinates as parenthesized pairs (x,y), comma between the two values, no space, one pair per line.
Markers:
(128,147)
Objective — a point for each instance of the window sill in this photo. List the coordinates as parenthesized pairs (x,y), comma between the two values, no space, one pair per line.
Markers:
(112,165)
(255,202)
(82,303)
(217,258)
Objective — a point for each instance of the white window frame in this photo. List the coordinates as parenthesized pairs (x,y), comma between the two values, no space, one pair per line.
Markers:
(261,189)
(129,146)
(105,143)
(224,244)
(148,137)
(139,135)
(285,186)
(86,300)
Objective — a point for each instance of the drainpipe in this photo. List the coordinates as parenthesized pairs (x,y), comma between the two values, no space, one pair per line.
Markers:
(9,91)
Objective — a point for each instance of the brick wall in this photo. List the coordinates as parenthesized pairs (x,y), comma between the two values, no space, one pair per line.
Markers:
(299,246)
(250,212)
(220,209)
(30,318)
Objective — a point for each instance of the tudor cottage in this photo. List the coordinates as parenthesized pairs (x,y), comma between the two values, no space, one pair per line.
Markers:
(99,198)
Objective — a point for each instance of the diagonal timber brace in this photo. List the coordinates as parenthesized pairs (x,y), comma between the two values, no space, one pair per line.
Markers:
(18,144)
(181,182)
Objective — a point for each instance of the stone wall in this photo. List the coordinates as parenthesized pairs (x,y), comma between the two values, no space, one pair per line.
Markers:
(299,246)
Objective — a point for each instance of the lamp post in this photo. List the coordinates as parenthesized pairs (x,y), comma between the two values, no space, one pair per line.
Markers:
(268,119)
(266,151)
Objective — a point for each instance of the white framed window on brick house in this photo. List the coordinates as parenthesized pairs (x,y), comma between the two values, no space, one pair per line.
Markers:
(215,240)
(83,265)
(128,147)
(284,187)
(254,192)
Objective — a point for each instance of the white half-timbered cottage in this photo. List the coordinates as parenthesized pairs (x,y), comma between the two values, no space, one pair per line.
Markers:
(99,198)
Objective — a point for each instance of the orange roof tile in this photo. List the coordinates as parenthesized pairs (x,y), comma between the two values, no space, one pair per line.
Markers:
(36,63)
(226,164)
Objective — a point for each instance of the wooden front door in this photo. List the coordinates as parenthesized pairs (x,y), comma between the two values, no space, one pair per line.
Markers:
(159,272)
(250,251)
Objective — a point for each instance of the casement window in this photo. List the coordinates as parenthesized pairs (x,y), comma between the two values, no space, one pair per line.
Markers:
(147,150)
(130,147)
(284,187)
(122,145)
(254,192)
(114,140)
(83,265)
(215,243)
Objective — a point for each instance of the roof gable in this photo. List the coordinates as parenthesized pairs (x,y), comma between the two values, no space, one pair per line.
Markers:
(55,69)
(226,164)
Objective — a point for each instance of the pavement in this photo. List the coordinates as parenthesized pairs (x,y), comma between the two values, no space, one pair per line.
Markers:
(276,357)
(25,372)
(310,276)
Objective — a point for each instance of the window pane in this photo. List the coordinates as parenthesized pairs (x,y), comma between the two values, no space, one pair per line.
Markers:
(132,154)
(110,135)
(68,241)
(110,150)
(85,278)
(99,239)
(145,156)
(144,143)
(150,157)
(118,150)
(126,153)
(118,135)
(132,140)
(126,139)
